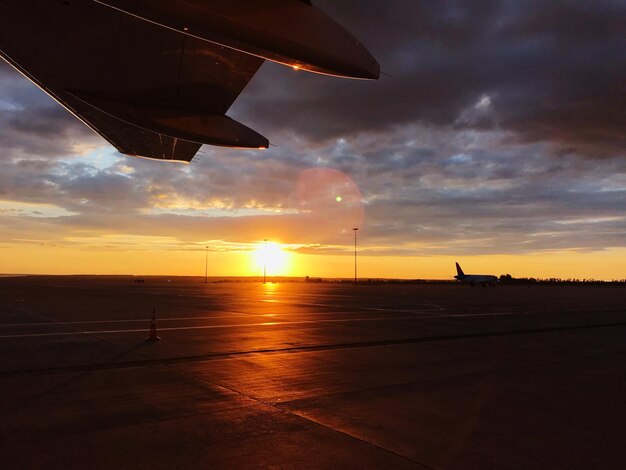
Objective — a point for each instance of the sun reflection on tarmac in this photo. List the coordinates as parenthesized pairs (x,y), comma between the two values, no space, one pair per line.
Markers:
(270,289)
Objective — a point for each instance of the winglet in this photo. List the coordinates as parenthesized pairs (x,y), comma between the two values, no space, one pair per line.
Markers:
(459,271)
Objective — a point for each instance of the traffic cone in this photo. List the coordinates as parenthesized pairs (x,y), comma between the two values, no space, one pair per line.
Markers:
(153,329)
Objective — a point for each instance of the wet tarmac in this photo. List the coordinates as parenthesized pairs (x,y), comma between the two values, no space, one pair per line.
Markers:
(297,375)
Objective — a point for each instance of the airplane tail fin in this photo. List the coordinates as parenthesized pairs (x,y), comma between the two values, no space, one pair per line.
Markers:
(459,271)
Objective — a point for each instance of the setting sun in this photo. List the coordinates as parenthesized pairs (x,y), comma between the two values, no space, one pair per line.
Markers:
(273,258)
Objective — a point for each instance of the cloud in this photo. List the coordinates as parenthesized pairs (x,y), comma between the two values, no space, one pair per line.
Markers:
(33,124)
(502,131)
(555,72)
(445,192)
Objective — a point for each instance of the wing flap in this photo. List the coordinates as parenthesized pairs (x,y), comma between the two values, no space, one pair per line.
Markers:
(195,126)
(137,142)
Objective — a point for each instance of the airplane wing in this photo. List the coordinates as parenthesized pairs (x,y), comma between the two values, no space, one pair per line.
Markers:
(156,77)
(290,32)
(148,90)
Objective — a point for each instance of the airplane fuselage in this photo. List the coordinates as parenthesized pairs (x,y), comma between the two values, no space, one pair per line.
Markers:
(478,279)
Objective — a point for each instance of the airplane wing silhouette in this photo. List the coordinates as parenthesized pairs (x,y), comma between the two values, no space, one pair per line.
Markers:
(156,78)
(126,78)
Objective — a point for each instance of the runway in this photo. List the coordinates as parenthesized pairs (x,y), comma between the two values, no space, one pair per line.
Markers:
(297,375)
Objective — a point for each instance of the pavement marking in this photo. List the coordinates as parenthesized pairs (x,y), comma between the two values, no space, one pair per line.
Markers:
(227,315)
(422,310)
(241,325)
(247,315)
(130,320)
(438,307)
(494,314)
(377,309)
(208,327)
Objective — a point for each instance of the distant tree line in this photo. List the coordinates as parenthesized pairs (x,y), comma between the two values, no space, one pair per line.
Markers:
(504,279)
(508,279)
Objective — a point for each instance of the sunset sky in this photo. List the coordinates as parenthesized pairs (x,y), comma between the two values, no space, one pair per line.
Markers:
(498,140)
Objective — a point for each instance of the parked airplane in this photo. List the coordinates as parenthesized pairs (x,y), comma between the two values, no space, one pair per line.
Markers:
(155,78)
(473,279)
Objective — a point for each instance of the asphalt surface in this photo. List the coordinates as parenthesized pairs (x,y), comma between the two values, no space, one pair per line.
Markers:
(297,375)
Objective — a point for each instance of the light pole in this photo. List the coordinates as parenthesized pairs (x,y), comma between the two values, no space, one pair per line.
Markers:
(264,259)
(206,264)
(355,230)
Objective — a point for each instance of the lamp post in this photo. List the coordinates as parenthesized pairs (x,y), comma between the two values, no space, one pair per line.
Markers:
(206,264)
(355,230)
(264,259)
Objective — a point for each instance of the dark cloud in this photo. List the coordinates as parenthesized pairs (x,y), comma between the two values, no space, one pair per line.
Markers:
(553,71)
(32,123)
